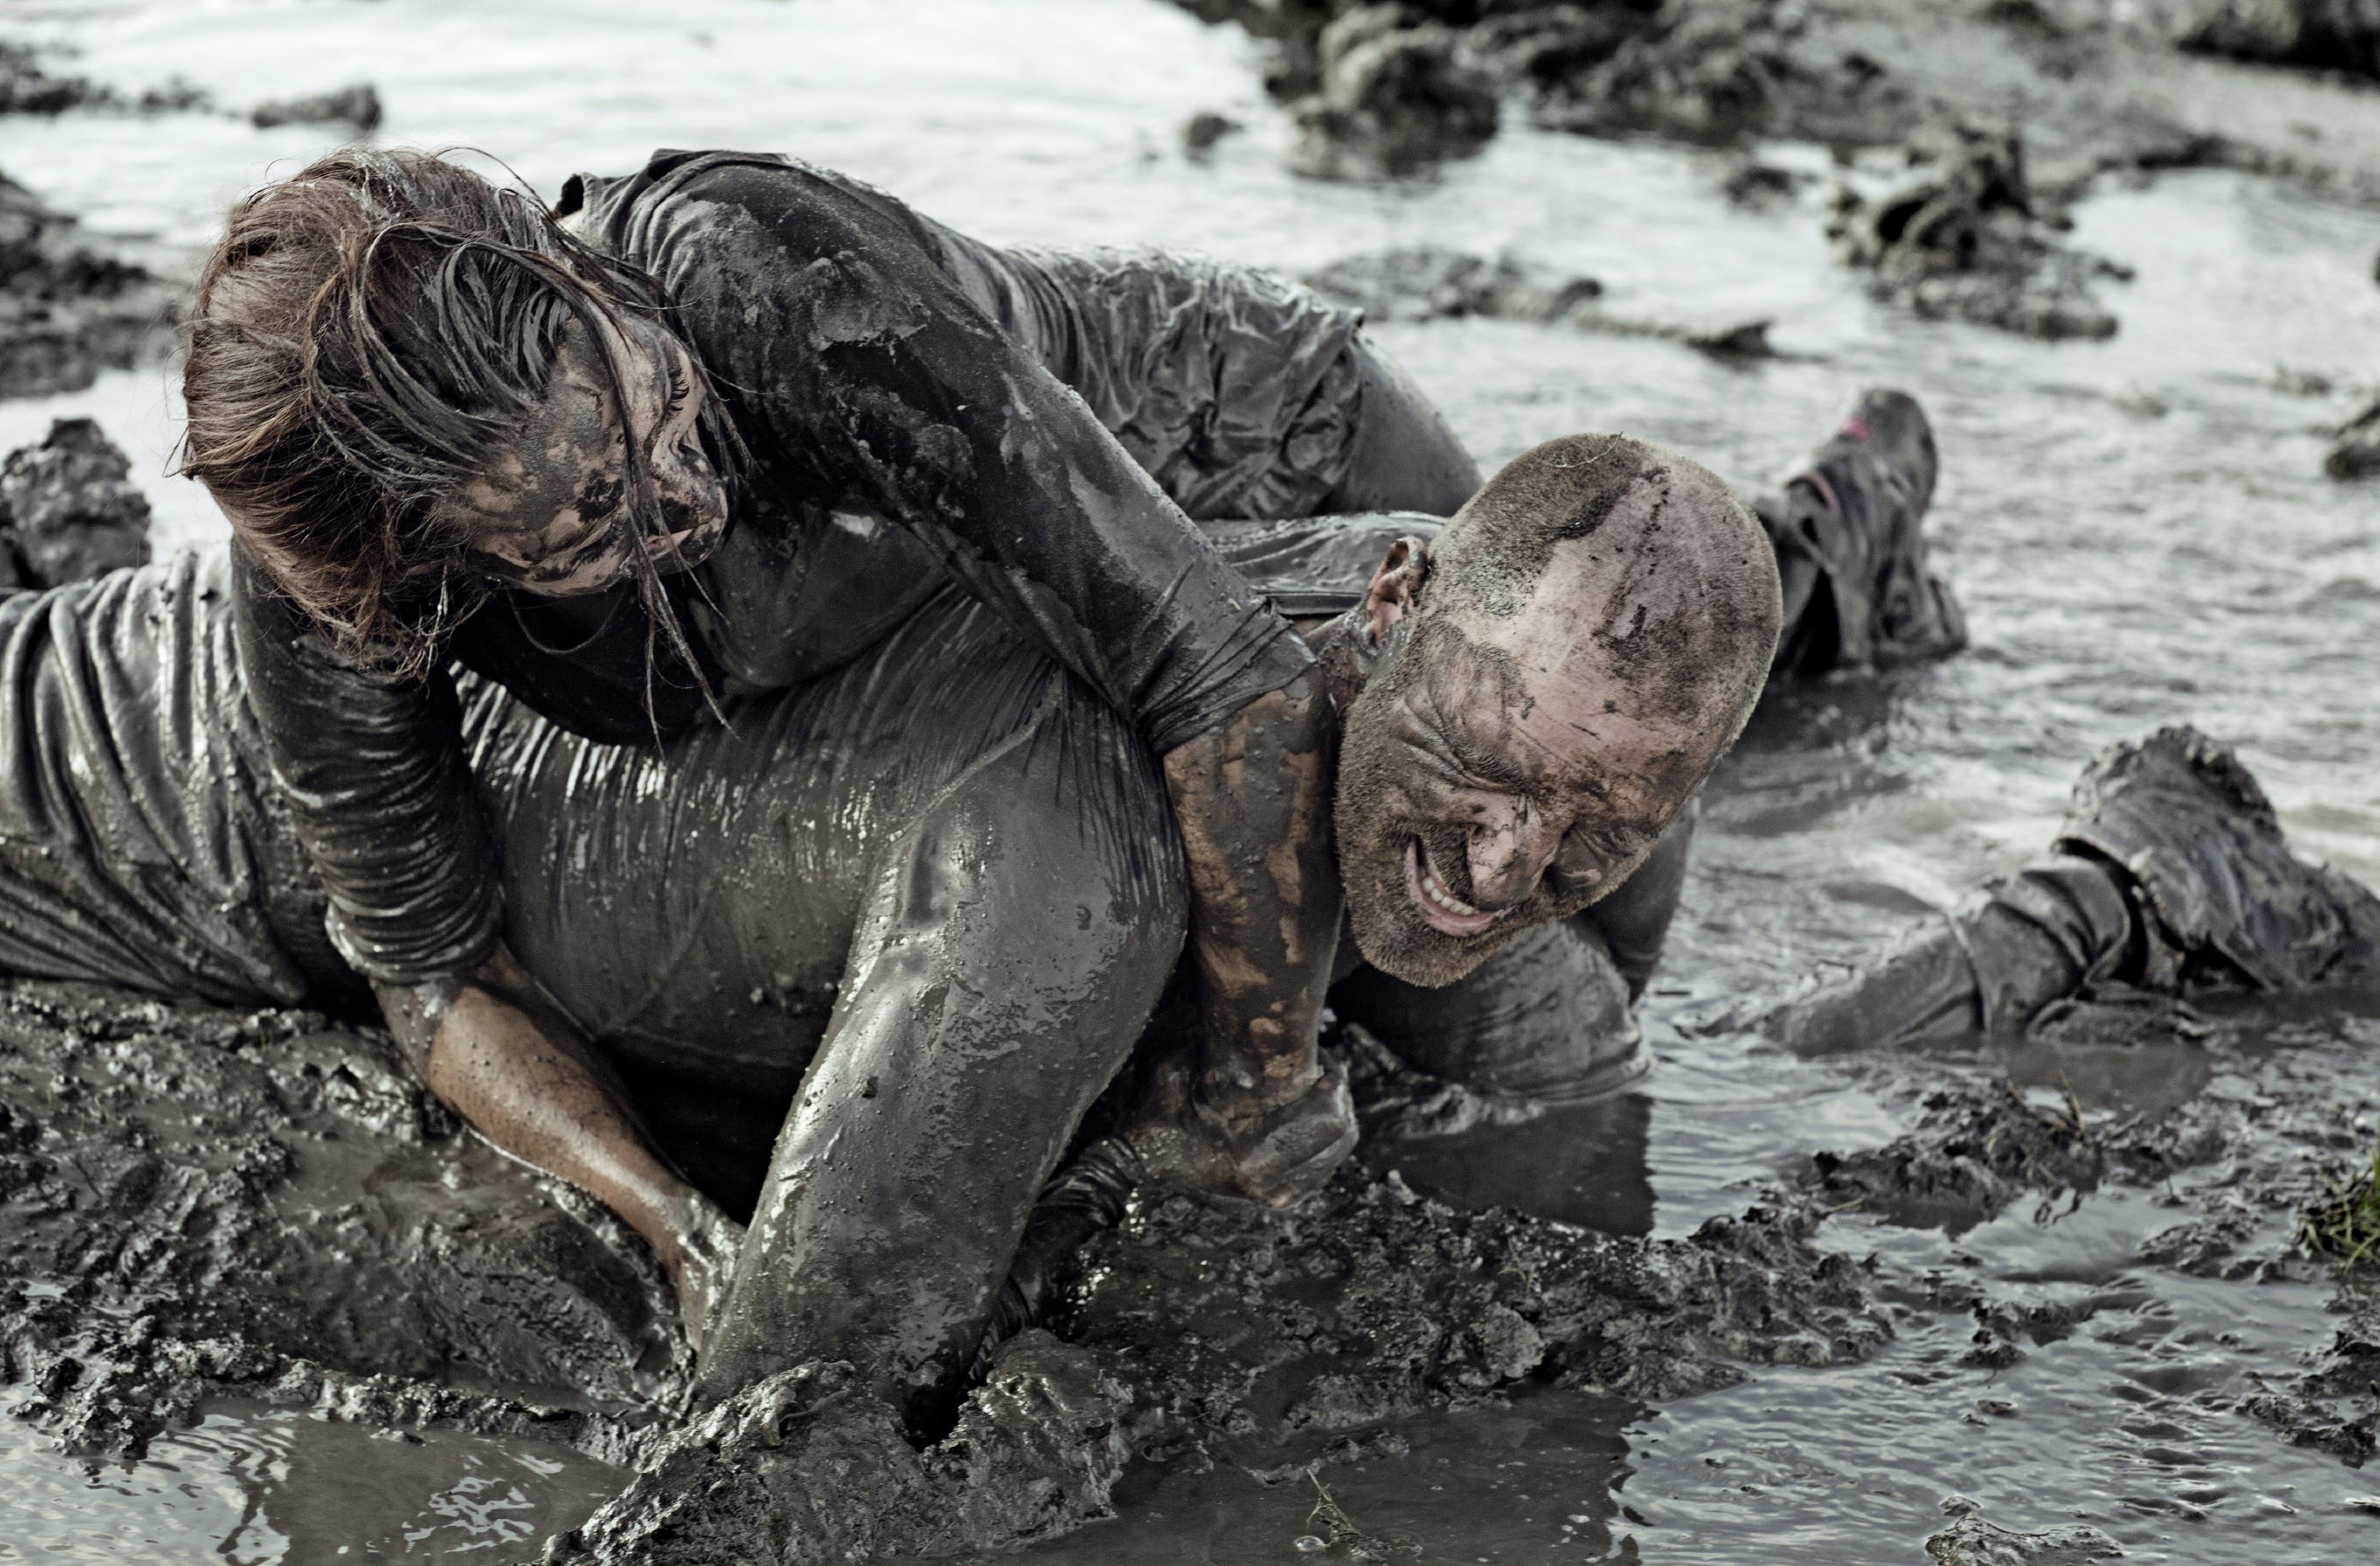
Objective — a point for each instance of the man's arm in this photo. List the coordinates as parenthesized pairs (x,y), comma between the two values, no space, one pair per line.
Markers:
(496,1054)
(1259,1118)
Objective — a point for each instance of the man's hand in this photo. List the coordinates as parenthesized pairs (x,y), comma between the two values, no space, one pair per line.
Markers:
(1273,1156)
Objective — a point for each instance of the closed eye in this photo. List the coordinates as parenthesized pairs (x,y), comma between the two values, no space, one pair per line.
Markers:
(1485,767)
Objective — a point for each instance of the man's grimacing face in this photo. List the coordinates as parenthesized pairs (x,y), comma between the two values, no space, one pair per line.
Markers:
(1498,772)
(546,511)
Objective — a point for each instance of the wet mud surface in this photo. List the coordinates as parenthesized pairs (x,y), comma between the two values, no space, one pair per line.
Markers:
(2056,1276)
(347,1254)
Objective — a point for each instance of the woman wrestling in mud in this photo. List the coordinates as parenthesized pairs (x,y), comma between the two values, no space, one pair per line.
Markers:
(712,431)
(720,430)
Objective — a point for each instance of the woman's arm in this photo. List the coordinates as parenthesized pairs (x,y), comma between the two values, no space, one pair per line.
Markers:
(371,768)
(495,1053)
(373,772)
(865,367)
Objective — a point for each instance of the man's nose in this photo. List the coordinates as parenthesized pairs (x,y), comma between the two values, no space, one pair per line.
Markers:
(1511,844)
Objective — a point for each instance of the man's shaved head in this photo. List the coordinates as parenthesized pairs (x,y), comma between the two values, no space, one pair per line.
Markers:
(1557,678)
(1667,574)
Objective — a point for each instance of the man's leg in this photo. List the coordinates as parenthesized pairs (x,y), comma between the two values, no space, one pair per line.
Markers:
(2170,876)
(940,888)
(1848,528)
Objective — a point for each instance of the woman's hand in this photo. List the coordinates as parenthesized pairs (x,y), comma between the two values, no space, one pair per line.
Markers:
(702,1262)
(496,1053)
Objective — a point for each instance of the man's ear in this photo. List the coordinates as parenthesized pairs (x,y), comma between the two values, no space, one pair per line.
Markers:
(1396,586)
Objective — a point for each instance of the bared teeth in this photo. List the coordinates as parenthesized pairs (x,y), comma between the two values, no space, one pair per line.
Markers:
(1436,892)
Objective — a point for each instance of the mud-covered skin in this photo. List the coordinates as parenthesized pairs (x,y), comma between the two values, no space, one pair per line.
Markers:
(547,511)
(1264,935)
(1555,677)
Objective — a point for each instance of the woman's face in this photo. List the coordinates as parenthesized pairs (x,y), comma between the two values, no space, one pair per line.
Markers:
(546,510)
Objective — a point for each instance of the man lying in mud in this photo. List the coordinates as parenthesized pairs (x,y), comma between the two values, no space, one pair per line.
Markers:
(934,873)
(723,436)
(922,902)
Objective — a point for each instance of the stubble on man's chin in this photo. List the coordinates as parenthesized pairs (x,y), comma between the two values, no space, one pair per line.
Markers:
(1372,834)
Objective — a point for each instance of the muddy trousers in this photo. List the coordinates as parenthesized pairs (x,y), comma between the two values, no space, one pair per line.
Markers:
(930,900)
(2054,928)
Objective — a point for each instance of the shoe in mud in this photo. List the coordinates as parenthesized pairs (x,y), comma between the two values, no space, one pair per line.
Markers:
(1856,512)
(2204,850)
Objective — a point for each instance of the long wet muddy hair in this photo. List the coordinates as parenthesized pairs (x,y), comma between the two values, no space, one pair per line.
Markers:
(366,336)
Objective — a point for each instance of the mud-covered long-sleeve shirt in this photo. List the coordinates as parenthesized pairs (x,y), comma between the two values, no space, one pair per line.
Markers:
(917,406)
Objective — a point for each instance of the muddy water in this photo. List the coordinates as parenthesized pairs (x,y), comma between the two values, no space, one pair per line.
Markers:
(2139,532)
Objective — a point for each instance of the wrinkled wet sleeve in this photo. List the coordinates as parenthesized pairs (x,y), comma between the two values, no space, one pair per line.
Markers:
(871,370)
(373,771)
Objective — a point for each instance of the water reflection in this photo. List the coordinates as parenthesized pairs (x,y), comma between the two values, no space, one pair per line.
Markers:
(258,1487)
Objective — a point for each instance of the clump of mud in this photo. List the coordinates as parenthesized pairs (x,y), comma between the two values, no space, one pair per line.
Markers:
(196,1202)
(2355,446)
(1431,283)
(69,510)
(1959,233)
(28,86)
(1241,1331)
(1385,89)
(2326,34)
(1973,1540)
(356,105)
(2242,1171)
(1392,93)
(804,1467)
(1713,72)
(68,309)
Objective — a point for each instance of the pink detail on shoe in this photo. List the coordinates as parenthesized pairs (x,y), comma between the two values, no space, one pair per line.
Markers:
(1856,429)
(1817,482)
